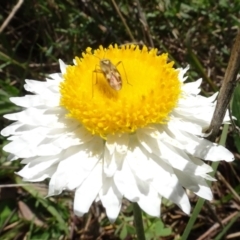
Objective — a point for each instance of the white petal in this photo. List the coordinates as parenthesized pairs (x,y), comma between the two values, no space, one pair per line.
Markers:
(183,124)
(34,86)
(150,202)
(57,77)
(40,176)
(126,183)
(115,152)
(63,66)
(54,146)
(111,198)
(38,166)
(76,165)
(173,156)
(33,116)
(196,184)
(192,87)
(212,152)
(182,72)
(24,146)
(27,100)
(9,130)
(137,159)
(167,184)
(88,191)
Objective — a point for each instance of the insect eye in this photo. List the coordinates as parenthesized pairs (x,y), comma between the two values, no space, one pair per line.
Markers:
(106,61)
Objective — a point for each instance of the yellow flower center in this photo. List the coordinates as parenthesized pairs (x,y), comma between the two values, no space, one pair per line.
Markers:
(118,90)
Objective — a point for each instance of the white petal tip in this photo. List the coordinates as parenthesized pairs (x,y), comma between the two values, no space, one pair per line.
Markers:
(77,213)
(111,220)
(230,158)
(185,206)
(62,66)
(186,209)
(225,154)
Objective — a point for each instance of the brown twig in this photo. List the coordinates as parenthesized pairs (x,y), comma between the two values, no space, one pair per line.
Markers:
(11,15)
(214,228)
(225,94)
(229,187)
(123,20)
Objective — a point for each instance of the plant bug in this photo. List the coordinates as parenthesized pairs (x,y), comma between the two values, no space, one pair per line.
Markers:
(111,73)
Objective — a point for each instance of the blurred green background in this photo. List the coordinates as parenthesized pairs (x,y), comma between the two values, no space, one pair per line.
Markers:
(199,33)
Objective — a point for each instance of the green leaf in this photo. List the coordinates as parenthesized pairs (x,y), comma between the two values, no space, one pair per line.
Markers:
(6,210)
(124,232)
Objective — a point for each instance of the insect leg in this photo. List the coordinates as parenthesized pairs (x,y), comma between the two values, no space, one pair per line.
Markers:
(95,71)
(120,62)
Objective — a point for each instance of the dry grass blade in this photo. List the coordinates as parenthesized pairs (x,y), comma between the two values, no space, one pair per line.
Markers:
(123,20)
(213,229)
(11,15)
(225,94)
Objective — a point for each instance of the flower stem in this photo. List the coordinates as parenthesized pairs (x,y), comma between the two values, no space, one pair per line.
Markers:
(137,213)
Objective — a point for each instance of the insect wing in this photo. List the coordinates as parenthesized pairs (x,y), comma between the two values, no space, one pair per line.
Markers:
(114,79)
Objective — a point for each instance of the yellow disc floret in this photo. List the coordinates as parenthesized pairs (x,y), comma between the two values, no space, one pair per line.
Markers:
(150,89)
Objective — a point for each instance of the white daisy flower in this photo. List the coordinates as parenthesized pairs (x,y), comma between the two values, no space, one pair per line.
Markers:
(142,142)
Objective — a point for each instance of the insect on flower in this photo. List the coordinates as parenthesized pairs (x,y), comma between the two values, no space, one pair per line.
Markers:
(111,73)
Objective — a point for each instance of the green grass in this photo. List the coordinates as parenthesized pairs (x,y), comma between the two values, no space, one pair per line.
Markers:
(199,33)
